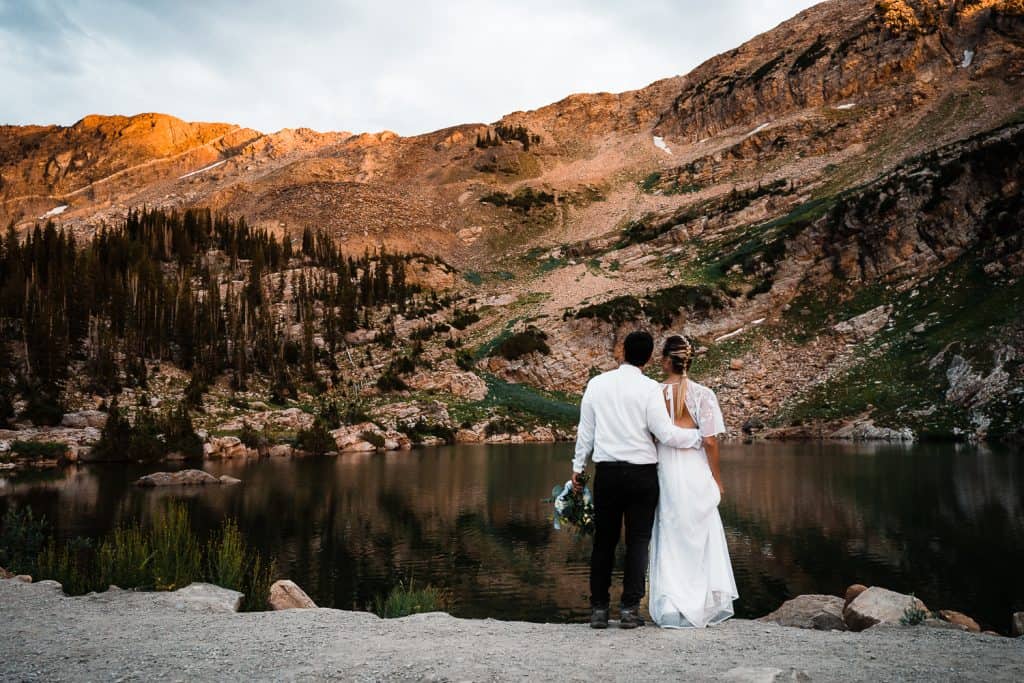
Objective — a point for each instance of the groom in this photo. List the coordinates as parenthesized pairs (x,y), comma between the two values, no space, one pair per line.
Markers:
(621,414)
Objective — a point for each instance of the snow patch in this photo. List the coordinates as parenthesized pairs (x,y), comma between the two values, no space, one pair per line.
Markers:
(968,59)
(729,335)
(659,142)
(55,211)
(202,170)
(844,107)
(734,333)
(758,129)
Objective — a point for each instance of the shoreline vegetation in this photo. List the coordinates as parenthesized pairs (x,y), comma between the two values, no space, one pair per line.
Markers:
(165,555)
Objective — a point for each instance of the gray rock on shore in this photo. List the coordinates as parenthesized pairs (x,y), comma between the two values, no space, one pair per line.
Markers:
(286,594)
(818,612)
(1018,624)
(185,478)
(879,606)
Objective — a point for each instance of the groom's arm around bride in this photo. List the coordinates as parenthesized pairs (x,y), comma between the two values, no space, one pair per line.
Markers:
(620,413)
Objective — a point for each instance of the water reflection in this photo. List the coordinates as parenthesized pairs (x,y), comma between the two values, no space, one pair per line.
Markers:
(946,522)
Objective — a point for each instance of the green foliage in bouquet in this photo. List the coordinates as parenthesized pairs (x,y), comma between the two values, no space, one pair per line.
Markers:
(574,509)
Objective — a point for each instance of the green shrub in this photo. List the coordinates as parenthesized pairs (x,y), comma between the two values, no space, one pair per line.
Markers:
(39,450)
(522,343)
(404,600)
(464,319)
(390,381)
(464,359)
(71,564)
(257,585)
(502,425)
(21,540)
(374,438)
(179,434)
(317,439)
(250,437)
(416,432)
(913,615)
(225,557)
(43,406)
(177,556)
(124,558)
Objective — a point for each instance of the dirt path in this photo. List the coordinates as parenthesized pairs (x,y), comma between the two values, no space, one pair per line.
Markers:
(138,636)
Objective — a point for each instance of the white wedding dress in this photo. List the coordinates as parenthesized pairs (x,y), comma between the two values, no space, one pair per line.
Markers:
(692,584)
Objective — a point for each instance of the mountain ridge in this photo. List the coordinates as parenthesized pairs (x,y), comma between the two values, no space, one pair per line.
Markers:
(781,202)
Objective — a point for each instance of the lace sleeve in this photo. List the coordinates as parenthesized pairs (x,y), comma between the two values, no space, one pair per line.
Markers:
(710,415)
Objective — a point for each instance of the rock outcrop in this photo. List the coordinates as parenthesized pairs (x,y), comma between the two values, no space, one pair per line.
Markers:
(286,594)
(880,606)
(183,478)
(819,612)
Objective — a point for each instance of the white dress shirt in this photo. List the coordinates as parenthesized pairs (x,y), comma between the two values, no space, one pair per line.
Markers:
(620,412)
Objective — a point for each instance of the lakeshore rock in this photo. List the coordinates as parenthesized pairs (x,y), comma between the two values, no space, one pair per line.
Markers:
(225,447)
(852,592)
(84,418)
(818,612)
(1018,624)
(765,674)
(867,431)
(281,450)
(879,606)
(960,619)
(206,597)
(182,478)
(286,594)
(228,480)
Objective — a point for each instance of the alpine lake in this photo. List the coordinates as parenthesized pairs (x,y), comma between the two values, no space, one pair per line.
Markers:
(943,521)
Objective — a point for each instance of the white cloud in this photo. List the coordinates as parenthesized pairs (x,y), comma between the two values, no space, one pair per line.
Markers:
(389,64)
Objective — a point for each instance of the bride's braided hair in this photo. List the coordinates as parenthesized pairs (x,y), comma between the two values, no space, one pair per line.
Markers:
(680,351)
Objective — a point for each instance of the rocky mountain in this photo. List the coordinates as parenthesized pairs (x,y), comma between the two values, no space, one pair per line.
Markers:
(833,209)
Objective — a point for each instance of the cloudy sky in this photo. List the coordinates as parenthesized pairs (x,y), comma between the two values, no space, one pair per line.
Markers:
(405,65)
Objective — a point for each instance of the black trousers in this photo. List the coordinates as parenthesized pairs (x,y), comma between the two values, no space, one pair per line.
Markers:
(622,493)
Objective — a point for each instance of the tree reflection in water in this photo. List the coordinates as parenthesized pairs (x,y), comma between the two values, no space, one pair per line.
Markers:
(944,521)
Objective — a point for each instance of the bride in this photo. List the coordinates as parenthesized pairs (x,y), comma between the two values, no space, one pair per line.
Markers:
(692,583)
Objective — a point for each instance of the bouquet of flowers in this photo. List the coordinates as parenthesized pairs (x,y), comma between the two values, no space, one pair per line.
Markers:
(572,508)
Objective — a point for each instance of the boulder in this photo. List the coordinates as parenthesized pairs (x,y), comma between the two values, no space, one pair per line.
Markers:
(285,594)
(818,612)
(350,439)
(84,418)
(228,480)
(865,430)
(879,606)
(182,478)
(852,592)
(4,574)
(226,447)
(206,597)
(866,324)
(361,337)
(1018,624)
(24,578)
(281,450)
(960,619)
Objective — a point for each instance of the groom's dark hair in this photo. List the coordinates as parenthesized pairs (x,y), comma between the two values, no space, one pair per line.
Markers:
(638,347)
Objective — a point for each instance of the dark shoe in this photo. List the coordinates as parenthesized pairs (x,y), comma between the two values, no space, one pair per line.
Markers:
(599,617)
(629,617)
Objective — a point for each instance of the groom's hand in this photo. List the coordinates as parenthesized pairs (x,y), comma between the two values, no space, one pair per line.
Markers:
(576,485)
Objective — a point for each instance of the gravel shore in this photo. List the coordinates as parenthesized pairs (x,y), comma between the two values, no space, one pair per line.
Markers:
(120,635)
